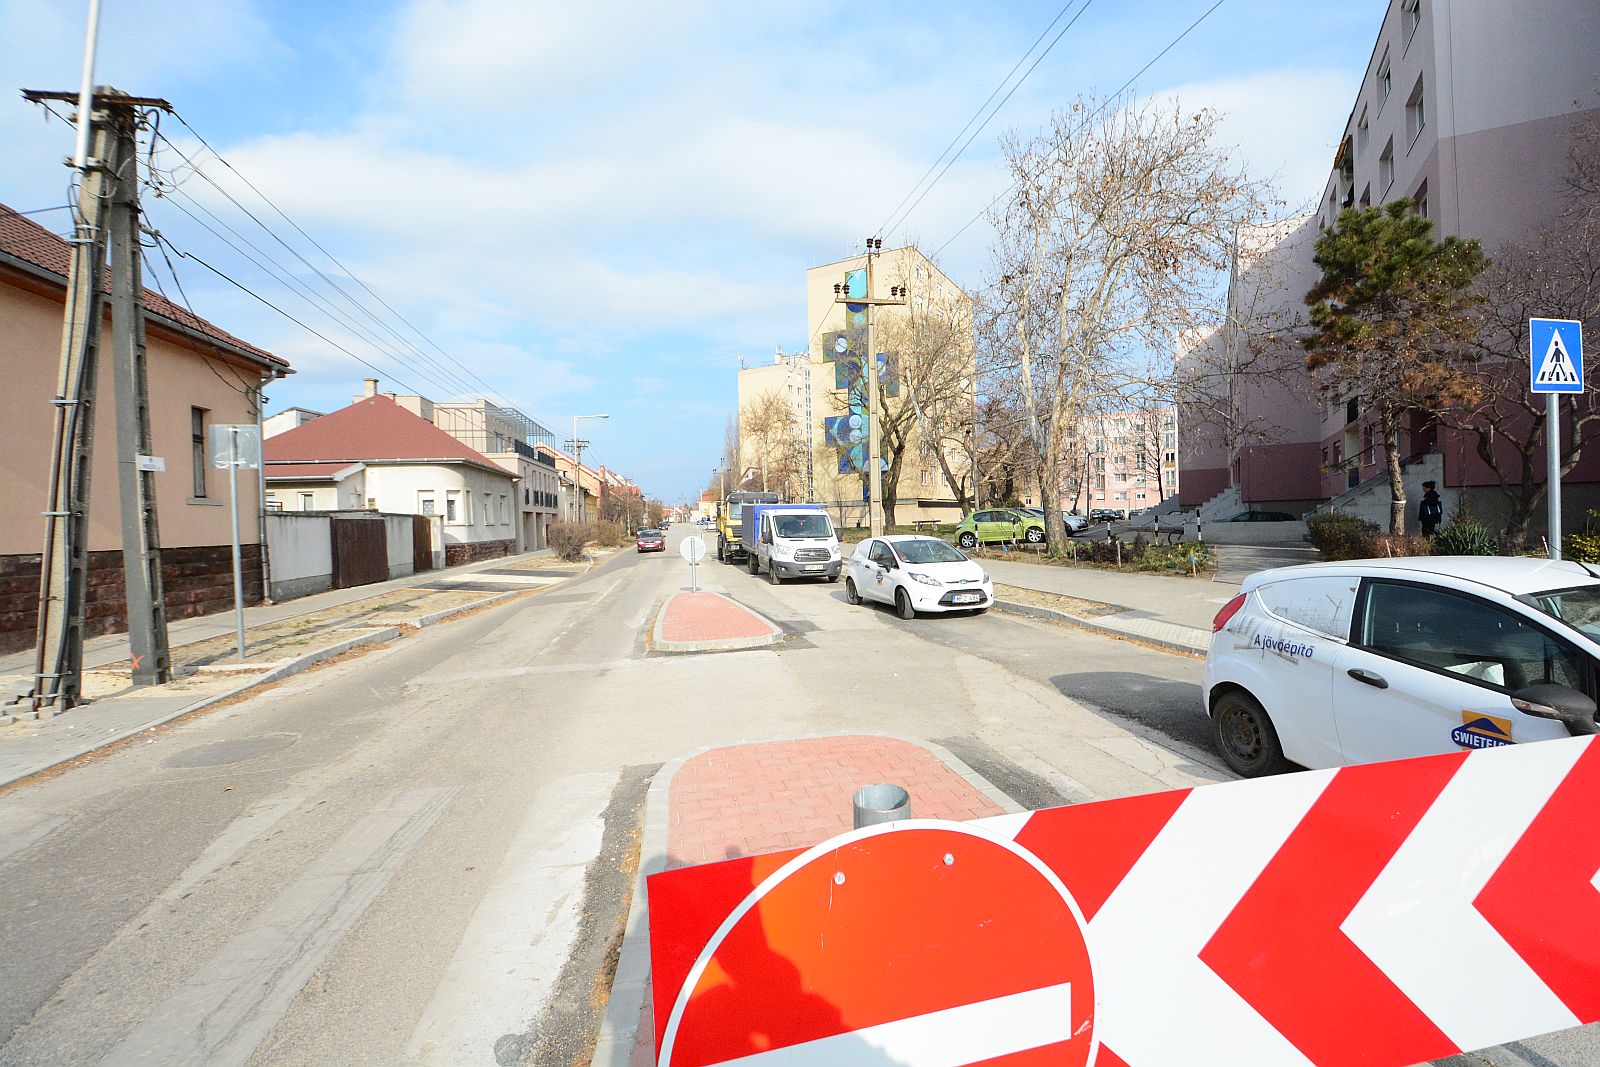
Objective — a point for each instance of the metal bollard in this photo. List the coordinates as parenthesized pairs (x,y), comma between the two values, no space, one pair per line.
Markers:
(874,804)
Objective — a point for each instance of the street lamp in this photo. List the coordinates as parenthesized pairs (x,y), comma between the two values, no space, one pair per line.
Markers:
(577,458)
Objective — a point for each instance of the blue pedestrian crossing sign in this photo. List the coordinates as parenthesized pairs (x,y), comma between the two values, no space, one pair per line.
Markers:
(1556,346)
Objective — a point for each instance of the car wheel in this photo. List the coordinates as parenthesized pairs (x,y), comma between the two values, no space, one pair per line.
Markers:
(850,592)
(833,579)
(902,605)
(1245,737)
(1034,535)
(967,540)
(772,575)
(721,554)
(755,564)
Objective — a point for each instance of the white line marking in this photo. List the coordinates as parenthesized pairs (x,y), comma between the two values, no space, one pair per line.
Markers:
(21,827)
(507,963)
(1417,921)
(971,1033)
(1147,937)
(518,672)
(235,999)
(232,841)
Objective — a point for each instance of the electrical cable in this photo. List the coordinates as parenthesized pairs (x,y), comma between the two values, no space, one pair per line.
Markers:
(1089,118)
(987,119)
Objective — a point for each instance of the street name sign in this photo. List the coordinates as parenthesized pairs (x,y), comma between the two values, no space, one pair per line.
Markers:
(1377,915)
(1556,347)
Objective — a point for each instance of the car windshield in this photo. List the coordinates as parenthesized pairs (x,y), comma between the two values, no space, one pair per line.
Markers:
(649,533)
(927,551)
(1578,607)
(801,526)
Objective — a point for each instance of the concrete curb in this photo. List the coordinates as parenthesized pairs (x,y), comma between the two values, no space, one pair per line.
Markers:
(1052,615)
(460,609)
(719,644)
(630,985)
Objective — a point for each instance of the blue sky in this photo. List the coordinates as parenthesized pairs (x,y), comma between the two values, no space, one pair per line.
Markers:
(599,206)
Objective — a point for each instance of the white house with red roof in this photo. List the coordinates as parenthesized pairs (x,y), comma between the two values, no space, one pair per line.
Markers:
(376,456)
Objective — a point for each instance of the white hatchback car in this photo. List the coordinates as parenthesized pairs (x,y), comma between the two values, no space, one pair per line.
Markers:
(1338,663)
(916,574)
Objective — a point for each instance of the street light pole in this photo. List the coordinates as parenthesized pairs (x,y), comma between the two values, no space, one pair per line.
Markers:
(577,460)
(897,296)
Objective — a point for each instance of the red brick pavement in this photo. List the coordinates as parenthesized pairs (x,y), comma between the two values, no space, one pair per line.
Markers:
(775,795)
(767,797)
(709,617)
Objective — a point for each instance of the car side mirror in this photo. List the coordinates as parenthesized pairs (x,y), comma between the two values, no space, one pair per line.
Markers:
(1572,709)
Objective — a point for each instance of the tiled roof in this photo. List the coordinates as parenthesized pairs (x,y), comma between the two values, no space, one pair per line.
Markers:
(307,472)
(23,239)
(375,429)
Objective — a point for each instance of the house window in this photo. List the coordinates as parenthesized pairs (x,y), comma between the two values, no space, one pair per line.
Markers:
(1410,17)
(488,509)
(505,510)
(308,501)
(1416,113)
(1350,411)
(452,506)
(1366,198)
(1363,132)
(273,503)
(1386,167)
(1421,201)
(1385,79)
(425,504)
(197,449)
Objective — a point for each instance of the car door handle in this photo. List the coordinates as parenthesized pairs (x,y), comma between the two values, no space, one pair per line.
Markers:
(1377,681)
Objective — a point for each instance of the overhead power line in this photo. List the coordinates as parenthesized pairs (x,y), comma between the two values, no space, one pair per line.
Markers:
(1090,117)
(892,220)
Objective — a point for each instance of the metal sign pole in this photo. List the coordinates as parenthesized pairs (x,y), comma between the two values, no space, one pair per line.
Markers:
(233,511)
(1552,441)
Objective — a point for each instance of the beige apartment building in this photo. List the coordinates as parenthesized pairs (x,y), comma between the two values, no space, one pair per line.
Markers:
(824,389)
(199,376)
(1469,108)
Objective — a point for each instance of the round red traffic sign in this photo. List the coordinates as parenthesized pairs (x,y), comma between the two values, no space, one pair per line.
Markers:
(918,942)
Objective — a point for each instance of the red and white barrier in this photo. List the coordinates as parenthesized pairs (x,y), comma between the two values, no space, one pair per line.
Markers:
(1384,914)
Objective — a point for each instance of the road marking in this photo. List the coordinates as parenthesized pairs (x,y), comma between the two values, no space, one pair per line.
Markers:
(518,672)
(235,999)
(21,827)
(232,841)
(972,1033)
(1146,940)
(1418,922)
(508,961)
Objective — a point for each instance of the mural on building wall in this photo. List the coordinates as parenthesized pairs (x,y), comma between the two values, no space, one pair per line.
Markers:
(846,350)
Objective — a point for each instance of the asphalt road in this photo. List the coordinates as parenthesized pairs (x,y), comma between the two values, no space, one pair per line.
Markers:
(414,856)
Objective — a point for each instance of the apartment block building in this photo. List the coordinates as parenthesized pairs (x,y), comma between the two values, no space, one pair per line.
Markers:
(788,376)
(824,387)
(1470,109)
(1124,461)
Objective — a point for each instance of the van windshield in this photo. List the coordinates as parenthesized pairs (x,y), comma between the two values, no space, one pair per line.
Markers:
(803,526)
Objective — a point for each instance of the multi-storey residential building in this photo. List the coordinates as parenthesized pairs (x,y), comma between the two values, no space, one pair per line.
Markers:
(578,486)
(1469,108)
(826,395)
(510,438)
(1124,461)
(788,376)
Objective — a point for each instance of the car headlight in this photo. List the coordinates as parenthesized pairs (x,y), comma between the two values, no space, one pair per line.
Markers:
(925,579)
(984,575)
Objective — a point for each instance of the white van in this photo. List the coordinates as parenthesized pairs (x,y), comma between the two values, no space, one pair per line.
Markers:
(794,541)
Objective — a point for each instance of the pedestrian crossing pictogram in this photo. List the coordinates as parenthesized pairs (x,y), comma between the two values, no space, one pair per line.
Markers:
(1557,350)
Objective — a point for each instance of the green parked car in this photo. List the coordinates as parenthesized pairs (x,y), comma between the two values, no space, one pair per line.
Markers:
(1000,524)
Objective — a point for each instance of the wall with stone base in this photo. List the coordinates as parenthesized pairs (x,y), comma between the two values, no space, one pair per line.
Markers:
(473,551)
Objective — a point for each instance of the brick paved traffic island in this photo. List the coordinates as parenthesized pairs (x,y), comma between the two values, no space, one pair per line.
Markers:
(710,622)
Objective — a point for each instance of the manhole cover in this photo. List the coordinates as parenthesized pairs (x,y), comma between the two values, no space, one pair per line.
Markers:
(222,753)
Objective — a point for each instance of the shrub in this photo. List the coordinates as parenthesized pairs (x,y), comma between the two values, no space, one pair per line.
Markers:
(568,539)
(1389,545)
(1583,546)
(1465,537)
(1340,536)
(610,534)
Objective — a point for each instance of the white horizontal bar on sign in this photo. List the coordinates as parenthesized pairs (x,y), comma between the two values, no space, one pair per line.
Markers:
(954,1037)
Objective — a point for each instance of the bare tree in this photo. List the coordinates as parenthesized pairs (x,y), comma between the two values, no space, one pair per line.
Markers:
(1119,224)
(773,447)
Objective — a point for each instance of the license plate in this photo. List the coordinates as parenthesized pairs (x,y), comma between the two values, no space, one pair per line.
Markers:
(966,598)
(813,566)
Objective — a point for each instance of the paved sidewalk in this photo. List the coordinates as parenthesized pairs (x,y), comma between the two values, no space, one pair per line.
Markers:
(750,799)
(710,622)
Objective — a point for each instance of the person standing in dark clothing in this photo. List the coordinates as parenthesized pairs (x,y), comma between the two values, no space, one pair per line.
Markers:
(1431,511)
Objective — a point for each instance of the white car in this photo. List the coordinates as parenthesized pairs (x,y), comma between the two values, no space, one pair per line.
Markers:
(1338,663)
(916,574)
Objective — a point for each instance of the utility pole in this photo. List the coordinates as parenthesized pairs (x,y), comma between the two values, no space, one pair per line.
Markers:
(107,213)
(865,300)
(577,460)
